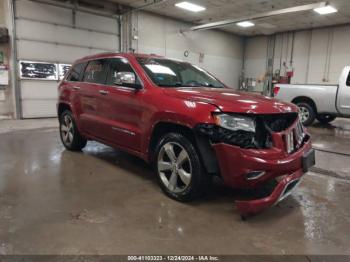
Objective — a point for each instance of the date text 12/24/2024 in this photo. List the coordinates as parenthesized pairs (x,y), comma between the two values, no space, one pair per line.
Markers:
(173,258)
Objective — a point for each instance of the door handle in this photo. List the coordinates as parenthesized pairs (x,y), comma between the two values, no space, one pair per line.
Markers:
(76,87)
(103,92)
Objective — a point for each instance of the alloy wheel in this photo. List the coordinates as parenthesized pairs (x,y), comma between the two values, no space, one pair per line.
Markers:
(67,130)
(174,167)
(304,114)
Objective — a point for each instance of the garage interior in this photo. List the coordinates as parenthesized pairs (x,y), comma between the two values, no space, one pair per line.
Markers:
(106,202)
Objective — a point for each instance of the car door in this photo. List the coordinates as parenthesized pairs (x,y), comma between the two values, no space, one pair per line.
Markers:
(343,97)
(92,96)
(73,80)
(123,108)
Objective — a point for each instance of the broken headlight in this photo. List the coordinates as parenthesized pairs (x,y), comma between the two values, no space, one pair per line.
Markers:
(235,122)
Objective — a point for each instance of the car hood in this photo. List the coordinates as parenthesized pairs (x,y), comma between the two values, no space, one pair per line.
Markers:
(229,100)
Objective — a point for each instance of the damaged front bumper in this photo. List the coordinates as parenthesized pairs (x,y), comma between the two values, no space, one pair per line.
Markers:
(280,149)
(236,163)
(282,190)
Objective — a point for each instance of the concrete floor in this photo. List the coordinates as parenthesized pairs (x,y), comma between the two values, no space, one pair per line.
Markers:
(103,201)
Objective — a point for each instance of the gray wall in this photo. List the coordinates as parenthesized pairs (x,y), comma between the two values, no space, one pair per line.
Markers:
(54,34)
(319,55)
(223,52)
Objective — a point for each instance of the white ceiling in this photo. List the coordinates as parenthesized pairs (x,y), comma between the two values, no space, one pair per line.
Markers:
(217,10)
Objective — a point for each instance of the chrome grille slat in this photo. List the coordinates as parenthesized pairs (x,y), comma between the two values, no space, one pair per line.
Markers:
(298,135)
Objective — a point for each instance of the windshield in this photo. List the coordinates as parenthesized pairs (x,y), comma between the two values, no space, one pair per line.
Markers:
(170,73)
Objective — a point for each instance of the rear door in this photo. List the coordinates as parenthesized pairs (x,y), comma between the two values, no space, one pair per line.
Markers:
(92,96)
(343,97)
(73,80)
(123,108)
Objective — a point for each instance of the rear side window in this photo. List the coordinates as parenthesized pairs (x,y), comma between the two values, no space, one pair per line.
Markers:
(96,71)
(76,73)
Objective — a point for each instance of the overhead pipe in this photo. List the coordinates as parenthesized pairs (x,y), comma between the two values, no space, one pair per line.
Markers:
(258,16)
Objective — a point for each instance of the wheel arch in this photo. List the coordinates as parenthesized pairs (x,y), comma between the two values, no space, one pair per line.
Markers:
(206,153)
(62,107)
(305,99)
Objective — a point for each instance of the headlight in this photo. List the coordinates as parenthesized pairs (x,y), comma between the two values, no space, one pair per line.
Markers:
(235,122)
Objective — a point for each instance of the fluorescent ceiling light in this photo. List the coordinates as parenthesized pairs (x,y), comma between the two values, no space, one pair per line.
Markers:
(328,9)
(245,24)
(190,7)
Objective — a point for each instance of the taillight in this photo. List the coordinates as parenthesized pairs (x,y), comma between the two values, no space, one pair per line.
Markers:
(276,89)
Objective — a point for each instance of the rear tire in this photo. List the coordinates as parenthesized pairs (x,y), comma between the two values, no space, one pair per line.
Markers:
(325,119)
(69,133)
(180,172)
(307,113)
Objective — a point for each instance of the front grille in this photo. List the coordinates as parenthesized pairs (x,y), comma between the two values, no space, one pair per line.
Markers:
(299,135)
(279,122)
(296,138)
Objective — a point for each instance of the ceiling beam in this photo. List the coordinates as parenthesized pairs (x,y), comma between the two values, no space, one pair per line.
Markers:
(258,16)
(139,8)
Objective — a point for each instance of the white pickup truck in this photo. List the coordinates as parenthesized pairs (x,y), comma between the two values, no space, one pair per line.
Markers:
(323,102)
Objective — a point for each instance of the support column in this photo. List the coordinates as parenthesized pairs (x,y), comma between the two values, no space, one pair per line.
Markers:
(9,6)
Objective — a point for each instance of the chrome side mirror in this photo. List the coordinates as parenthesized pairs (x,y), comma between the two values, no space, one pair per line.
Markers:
(125,78)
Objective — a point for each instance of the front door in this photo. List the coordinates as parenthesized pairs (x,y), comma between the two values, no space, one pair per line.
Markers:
(124,108)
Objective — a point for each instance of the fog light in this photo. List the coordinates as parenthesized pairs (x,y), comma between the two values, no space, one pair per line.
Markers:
(255,175)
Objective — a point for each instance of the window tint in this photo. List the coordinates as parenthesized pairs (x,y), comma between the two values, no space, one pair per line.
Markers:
(348,80)
(76,72)
(118,65)
(171,73)
(95,72)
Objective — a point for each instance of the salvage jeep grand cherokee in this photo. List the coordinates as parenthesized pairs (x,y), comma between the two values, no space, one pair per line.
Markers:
(186,123)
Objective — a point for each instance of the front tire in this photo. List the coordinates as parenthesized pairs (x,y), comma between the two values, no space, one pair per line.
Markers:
(179,169)
(69,133)
(325,119)
(307,113)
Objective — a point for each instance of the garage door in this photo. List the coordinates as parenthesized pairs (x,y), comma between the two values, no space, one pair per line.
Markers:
(48,39)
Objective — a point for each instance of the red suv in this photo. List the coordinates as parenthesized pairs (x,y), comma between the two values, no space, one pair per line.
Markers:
(186,123)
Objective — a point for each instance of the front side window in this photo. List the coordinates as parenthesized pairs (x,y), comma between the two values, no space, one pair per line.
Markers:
(117,65)
(96,72)
(171,73)
(76,73)
(348,80)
